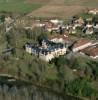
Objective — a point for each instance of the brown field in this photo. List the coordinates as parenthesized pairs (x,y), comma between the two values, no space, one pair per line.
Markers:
(62,8)
(56,11)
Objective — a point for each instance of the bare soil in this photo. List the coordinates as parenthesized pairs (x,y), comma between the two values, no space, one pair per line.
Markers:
(57,11)
(61,8)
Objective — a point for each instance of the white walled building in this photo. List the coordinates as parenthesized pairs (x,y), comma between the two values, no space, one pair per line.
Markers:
(28,48)
(93,11)
(60,38)
(48,51)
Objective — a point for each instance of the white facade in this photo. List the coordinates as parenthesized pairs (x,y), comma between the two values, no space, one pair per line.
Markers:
(28,49)
(94,57)
(96,26)
(89,25)
(77,25)
(46,57)
(56,40)
(81,47)
(94,12)
(52,29)
(40,25)
(8,20)
(89,31)
(53,54)
(56,21)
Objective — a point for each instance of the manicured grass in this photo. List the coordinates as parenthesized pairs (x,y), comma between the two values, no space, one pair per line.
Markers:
(17,6)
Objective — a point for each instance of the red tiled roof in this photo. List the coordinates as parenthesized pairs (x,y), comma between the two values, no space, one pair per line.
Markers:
(91,51)
(81,42)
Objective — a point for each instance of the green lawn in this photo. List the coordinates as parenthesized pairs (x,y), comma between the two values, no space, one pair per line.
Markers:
(18,6)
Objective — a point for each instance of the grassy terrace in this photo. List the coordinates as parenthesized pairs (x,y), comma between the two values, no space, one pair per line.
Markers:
(18,6)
